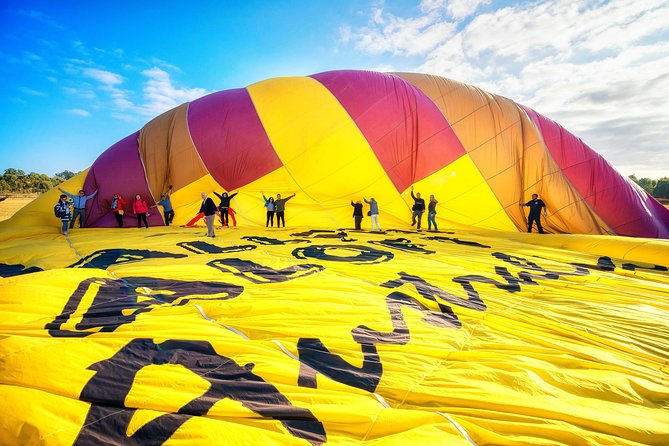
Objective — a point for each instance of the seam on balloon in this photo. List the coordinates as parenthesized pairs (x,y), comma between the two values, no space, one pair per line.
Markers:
(458,427)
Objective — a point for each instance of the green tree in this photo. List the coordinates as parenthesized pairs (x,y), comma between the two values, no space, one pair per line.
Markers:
(66,174)
(646,183)
(661,189)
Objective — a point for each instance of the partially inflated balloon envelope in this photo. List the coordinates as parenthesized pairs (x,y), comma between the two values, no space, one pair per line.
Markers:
(314,333)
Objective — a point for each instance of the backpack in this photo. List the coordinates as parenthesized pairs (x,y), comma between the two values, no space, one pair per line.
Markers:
(57,212)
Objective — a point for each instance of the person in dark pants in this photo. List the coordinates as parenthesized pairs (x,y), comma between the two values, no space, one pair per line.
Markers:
(357,213)
(208,208)
(432,213)
(63,212)
(140,208)
(535,206)
(166,203)
(269,204)
(79,202)
(279,207)
(417,209)
(224,205)
(117,207)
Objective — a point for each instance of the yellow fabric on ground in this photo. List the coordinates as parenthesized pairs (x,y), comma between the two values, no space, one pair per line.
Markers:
(307,336)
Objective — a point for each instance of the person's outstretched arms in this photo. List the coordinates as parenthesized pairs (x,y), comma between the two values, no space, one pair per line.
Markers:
(219,196)
(66,193)
(231,196)
(412,195)
(288,198)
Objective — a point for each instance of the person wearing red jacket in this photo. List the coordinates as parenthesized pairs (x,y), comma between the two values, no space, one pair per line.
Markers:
(117,207)
(140,208)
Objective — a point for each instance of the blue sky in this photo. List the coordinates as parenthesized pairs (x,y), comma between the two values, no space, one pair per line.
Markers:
(75,77)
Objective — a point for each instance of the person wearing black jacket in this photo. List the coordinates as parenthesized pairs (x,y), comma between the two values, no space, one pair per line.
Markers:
(208,208)
(224,205)
(417,209)
(357,213)
(279,207)
(535,206)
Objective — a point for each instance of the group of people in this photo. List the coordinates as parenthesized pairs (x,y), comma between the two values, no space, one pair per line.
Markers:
(275,206)
(209,209)
(140,208)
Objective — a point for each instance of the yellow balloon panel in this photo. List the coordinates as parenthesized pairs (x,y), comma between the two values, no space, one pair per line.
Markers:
(464,197)
(39,212)
(317,140)
(308,336)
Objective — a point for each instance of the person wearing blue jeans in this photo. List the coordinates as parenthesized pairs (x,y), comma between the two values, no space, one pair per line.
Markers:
(79,202)
(63,212)
(417,209)
(431,213)
(166,203)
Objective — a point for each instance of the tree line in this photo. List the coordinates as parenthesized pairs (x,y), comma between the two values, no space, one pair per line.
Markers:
(16,181)
(656,188)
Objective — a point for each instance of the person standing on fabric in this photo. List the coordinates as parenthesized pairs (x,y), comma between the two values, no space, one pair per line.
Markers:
(166,203)
(140,208)
(64,212)
(79,202)
(224,205)
(208,208)
(269,204)
(417,209)
(431,213)
(117,205)
(535,206)
(279,207)
(357,213)
(373,212)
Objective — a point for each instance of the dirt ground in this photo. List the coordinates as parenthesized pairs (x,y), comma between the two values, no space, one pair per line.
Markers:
(12,204)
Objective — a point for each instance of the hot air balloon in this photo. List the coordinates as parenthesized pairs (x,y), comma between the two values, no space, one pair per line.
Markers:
(315,333)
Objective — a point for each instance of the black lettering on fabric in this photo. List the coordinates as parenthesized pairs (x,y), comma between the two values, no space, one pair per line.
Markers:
(404,231)
(457,241)
(329,252)
(7,270)
(207,248)
(402,244)
(323,233)
(635,266)
(104,258)
(431,292)
(257,273)
(272,241)
(400,334)
(604,263)
(316,358)
(108,418)
(117,302)
(547,274)
(315,355)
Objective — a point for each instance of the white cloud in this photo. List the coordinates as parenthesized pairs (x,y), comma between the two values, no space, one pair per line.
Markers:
(601,69)
(31,92)
(83,92)
(161,95)
(77,112)
(105,77)
(457,9)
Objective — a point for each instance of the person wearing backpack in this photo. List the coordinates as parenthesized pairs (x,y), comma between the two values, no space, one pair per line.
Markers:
(79,202)
(63,211)
(140,208)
